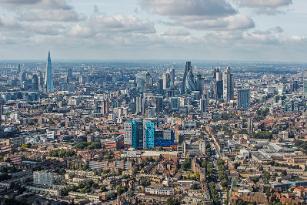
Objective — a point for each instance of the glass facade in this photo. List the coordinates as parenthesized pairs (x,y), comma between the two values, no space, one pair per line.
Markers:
(49,76)
(137,134)
(243,99)
(189,83)
(150,135)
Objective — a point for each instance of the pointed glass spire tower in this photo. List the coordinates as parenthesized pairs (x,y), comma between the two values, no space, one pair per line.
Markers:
(49,76)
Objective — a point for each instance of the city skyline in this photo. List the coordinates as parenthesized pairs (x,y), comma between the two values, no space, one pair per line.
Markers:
(154,30)
(153,102)
(96,134)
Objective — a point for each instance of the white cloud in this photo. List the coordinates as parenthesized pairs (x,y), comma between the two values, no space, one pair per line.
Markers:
(175,29)
(200,14)
(41,10)
(266,7)
(50,15)
(236,22)
(176,32)
(263,3)
(20,2)
(206,8)
(43,4)
(121,23)
(116,24)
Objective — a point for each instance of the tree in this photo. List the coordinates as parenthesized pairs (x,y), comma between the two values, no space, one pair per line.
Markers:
(214,194)
(172,201)
(284,173)
(145,182)
(25,146)
(266,177)
(120,190)
(62,153)
(103,188)
(186,165)
(263,135)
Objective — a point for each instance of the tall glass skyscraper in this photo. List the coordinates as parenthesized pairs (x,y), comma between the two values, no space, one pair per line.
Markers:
(218,87)
(166,81)
(189,83)
(228,84)
(137,134)
(49,76)
(149,135)
(243,99)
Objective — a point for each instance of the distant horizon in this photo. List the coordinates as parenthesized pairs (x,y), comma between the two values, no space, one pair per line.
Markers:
(66,60)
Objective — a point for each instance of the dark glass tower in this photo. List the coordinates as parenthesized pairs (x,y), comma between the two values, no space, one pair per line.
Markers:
(137,134)
(243,99)
(228,85)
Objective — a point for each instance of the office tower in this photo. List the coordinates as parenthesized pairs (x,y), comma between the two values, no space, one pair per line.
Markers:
(49,76)
(203,103)
(166,81)
(175,104)
(250,126)
(69,75)
(219,90)
(150,112)
(140,81)
(19,68)
(217,75)
(164,138)
(149,137)
(199,83)
(128,133)
(189,84)
(81,79)
(160,86)
(104,107)
(243,99)
(228,85)
(214,73)
(294,86)
(137,134)
(305,83)
(218,87)
(35,82)
(139,105)
(40,81)
(173,77)
(159,104)
(24,76)
(24,80)
(148,81)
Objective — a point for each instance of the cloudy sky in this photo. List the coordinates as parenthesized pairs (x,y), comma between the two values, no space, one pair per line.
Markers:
(263,30)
